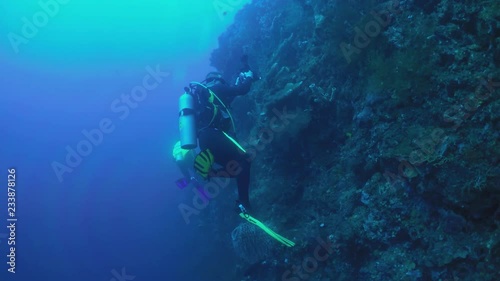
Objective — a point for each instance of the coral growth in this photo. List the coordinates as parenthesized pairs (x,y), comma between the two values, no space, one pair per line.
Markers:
(392,151)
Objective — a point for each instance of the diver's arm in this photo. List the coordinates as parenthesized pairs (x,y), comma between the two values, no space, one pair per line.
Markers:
(227,92)
(240,89)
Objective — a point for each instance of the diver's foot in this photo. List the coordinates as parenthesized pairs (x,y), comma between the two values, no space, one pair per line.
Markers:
(243,207)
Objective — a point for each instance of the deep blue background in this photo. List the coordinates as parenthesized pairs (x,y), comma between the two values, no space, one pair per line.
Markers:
(119,207)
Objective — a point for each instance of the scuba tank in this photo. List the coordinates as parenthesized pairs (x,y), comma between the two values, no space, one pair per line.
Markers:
(187,121)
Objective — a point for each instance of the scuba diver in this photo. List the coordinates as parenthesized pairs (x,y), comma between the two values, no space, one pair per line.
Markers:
(205,118)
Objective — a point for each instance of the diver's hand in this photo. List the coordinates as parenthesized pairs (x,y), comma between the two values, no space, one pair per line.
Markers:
(244,76)
(247,74)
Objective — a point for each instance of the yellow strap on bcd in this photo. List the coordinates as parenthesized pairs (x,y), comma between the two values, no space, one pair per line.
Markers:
(269,231)
(227,110)
(211,100)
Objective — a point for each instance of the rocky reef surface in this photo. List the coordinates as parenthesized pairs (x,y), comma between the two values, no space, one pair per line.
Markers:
(374,134)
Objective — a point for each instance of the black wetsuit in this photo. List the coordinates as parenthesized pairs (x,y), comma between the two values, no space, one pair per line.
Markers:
(227,93)
(223,149)
(226,153)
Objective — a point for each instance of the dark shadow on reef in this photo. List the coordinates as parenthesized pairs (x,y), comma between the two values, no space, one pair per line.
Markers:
(389,146)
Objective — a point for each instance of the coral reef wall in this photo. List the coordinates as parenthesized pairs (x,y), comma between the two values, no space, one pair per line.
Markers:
(374,128)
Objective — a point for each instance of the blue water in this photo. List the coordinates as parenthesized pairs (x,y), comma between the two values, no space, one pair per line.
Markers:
(116,209)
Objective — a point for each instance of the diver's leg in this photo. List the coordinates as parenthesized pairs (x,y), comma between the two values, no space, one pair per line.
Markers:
(226,152)
(183,167)
(243,181)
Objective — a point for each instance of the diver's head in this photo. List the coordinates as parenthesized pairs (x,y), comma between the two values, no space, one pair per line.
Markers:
(214,76)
